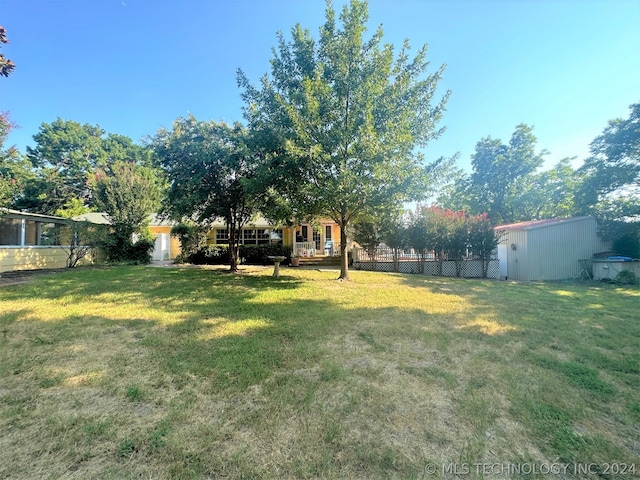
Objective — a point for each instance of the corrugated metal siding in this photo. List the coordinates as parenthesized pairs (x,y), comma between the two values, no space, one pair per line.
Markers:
(553,251)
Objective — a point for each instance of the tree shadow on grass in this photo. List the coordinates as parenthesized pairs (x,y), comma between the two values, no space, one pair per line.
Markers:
(223,334)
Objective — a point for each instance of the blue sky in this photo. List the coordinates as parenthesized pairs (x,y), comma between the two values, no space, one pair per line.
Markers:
(132,66)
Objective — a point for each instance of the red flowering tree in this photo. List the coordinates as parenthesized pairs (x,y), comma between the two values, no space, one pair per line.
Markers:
(483,239)
(456,239)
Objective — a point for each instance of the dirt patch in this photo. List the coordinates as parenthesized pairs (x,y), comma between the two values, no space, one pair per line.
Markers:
(19,277)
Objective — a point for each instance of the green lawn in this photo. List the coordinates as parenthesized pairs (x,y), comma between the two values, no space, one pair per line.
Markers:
(139,372)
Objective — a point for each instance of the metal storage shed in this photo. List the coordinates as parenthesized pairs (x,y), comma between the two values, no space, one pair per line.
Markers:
(548,249)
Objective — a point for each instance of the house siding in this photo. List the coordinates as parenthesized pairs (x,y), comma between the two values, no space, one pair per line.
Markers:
(174,243)
(35,258)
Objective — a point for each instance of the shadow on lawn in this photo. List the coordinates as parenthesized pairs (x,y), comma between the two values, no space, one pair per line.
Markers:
(225,333)
(215,326)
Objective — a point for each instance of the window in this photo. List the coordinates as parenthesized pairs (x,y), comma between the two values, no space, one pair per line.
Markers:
(249,236)
(36,233)
(221,236)
(50,233)
(10,229)
(327,232)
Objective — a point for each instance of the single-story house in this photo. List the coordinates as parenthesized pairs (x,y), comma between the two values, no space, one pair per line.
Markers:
(29,241)
(554,249)
(321,238)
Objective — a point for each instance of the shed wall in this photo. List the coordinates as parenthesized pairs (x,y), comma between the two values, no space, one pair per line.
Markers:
(555,250)
(552,252)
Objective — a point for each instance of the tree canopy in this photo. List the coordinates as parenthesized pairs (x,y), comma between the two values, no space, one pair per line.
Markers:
(65,160)
(611,176)
(6,65)
(14,169)
(342,116)
(210,167)
(506,182)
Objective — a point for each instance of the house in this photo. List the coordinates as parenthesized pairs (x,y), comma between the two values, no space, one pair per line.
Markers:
(554,249)
(305,240)
(30,241)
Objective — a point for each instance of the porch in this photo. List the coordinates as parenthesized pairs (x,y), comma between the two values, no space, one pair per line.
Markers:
(314,249)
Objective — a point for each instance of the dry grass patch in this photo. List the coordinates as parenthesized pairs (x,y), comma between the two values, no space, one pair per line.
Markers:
(188,373)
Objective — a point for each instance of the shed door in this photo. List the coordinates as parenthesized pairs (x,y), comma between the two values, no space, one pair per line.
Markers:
(502,260)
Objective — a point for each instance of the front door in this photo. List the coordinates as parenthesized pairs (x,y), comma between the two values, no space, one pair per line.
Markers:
(317,239)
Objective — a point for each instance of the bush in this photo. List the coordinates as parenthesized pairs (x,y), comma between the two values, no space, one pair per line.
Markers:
(627,277)
(122,250)
(210,255)
(627,245)
(250,254)
(140,252)
(191,238)
(258,254)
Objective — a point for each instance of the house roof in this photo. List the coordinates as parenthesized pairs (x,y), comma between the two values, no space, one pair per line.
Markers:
(533,224)
(99,218)
(35,216)
(258,222)
(156,220)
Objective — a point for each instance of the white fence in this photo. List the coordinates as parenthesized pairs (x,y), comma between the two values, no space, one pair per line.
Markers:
(308,249)
(409,262)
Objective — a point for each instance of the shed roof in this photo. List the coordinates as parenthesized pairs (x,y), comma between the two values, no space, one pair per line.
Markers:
(533,224)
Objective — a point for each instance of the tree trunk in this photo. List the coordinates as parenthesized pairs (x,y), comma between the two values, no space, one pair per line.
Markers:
(344,259)
(233,249)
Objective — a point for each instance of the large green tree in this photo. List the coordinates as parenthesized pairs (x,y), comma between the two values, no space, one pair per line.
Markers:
(210,167)
(611,176)
(499,172)
(66,157)
(508,184)
(14,169)
(610,182)
(342,118)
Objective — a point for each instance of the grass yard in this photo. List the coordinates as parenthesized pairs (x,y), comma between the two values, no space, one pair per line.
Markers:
(139,372)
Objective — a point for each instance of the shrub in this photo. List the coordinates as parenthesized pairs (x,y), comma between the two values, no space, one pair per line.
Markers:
(627,277)
(191,238)
(210,255)
(250,254)
(258,254)
(123,250)
(627,245)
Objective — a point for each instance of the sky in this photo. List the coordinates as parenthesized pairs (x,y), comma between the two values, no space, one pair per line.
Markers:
(566,67)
